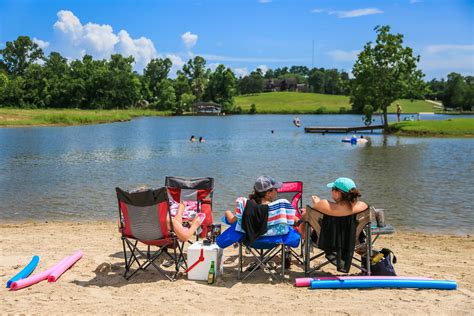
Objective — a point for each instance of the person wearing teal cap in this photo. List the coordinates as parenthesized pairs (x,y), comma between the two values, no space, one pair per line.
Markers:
(345,202)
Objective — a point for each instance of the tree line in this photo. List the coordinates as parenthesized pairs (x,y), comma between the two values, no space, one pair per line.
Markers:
(30,79)
(383,73)
(457,92)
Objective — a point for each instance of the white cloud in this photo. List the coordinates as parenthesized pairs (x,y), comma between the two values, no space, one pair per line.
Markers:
(189,39)
(340,55)
(41,44)
(448,57)
(99,40)
(434,49)
(142,48)
(241,72)
(349,14)
(264,68)
(264,1)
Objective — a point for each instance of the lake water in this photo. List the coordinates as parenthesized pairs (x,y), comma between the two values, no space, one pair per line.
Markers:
(70,173)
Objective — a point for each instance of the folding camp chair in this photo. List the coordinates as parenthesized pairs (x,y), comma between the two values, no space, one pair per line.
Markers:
(264,249)
(293,192)
(313,222)
(200,190)
(142,220)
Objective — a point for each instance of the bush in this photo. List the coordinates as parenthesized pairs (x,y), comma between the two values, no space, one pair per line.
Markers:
(253,109)
(320,110)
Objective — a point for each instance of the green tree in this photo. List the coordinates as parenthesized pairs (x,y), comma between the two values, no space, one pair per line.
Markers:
(35,87)
(252,83)
(316,80)
(221,87)
(197,75)
(123,86)
(155,72)
(383,73)
(19,54)
(455,92)
(56,72)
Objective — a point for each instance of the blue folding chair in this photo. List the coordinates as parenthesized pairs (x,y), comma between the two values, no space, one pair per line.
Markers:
(263,250)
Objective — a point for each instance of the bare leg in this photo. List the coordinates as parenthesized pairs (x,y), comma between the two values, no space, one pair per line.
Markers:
(230,217)
(179,214)
(183,233)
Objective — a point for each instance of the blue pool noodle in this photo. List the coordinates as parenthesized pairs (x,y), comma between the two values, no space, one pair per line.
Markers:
(30,267)
(389,283)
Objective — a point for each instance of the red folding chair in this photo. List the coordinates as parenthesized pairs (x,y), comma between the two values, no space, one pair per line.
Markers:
(142,220)
(293,192)
(193,189)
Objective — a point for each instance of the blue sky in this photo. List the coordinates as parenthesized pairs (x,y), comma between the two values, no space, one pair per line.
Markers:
(246,34)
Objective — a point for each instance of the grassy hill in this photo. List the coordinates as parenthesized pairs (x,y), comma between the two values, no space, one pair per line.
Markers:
(40,117)
(450,127)
(307,103)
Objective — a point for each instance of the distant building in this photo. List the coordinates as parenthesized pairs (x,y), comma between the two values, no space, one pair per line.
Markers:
(287,84)
(206,108)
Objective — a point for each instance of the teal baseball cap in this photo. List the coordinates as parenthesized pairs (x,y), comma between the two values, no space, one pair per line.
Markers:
(343,184)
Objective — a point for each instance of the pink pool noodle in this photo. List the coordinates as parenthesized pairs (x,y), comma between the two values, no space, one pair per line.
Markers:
(63,266)
(305,282)
(35,278)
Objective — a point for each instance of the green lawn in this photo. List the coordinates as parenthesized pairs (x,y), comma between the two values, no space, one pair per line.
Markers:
(36,117)
(449,127)
(295,102)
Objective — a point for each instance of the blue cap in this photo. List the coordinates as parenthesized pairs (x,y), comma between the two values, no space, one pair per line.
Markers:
(343,184)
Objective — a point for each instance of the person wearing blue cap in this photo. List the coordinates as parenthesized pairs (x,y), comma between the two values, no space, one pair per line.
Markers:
(345,202)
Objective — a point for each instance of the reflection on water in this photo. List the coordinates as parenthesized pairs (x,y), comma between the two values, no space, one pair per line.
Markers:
(71,172)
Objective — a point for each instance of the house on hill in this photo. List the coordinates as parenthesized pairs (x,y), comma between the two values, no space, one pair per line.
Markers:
(287,84)
(206,108)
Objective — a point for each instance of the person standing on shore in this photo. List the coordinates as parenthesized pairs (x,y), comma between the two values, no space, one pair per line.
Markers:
(399,111)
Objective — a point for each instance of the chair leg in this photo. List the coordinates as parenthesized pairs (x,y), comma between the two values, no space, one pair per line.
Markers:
(240,261)
(307,253)
(283,253)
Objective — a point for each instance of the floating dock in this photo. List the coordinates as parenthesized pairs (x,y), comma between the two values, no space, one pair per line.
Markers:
(341,129)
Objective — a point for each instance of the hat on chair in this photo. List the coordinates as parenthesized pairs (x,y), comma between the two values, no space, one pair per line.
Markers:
(265,183)
(343,184)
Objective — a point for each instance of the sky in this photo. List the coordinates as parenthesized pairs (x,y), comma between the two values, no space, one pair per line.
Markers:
(246,34)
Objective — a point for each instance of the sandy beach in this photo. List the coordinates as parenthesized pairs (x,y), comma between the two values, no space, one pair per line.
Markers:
(95,283)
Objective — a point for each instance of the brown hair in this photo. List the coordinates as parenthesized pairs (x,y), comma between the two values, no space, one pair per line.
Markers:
(350,196)
(258,196)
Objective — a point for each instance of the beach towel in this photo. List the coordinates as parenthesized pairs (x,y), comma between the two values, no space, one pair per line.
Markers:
(280,216)
(190,209)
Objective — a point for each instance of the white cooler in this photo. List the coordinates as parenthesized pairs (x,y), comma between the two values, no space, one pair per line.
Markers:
(201,269)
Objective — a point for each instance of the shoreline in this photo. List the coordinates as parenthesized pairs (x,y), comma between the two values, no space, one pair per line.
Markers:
(7,223)
(95,283)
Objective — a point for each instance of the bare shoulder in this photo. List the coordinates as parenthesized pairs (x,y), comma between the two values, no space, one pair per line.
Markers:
(323,205)
(360,207)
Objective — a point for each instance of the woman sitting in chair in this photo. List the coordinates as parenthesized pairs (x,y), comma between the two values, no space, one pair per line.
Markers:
(265,191)
(175,223)
(345,196)
(262,214)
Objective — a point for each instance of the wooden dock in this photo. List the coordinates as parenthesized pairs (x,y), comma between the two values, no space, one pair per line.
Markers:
(340,129)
